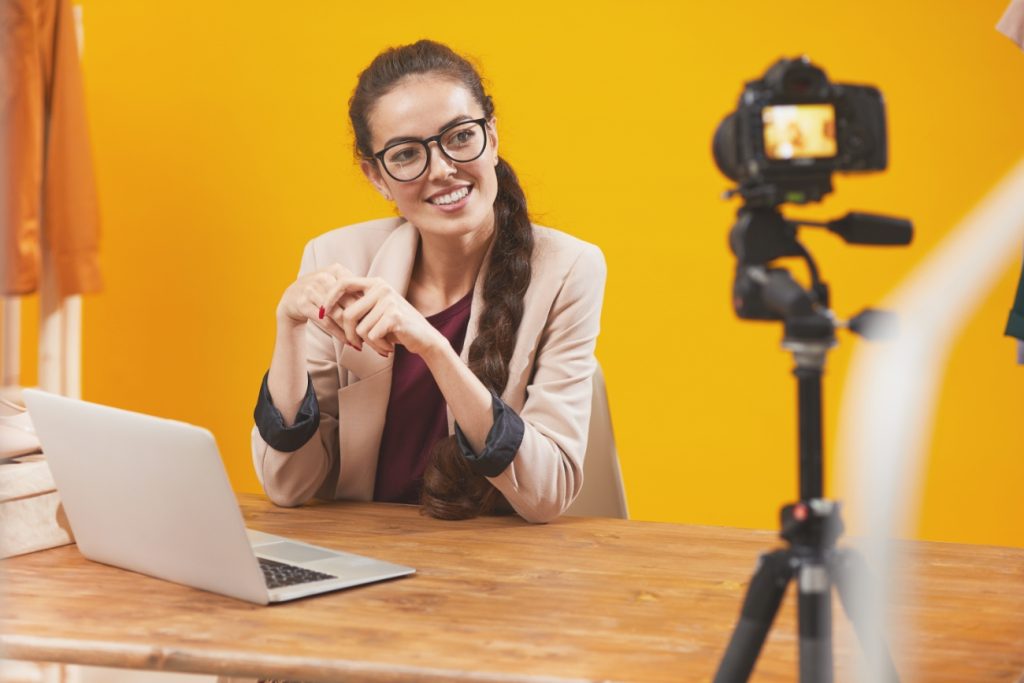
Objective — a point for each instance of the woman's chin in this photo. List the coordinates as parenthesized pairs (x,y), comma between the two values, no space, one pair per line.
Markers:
(451,225)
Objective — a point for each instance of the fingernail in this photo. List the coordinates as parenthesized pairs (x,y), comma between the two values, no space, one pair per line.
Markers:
(322,311)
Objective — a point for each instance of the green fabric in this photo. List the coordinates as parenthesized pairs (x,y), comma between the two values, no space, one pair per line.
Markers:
(1015,325)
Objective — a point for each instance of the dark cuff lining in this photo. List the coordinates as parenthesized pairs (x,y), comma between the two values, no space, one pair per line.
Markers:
(270,422)
(1015,325)
(502,442)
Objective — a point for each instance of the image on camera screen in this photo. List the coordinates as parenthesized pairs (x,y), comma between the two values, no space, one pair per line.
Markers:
(799,131)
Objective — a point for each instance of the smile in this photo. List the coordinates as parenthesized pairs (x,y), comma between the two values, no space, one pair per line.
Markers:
(451,197)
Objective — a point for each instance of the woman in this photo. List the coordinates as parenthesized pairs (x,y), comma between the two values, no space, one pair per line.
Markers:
(445,356)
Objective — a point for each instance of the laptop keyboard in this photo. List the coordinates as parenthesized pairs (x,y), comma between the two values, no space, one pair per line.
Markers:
(278,574)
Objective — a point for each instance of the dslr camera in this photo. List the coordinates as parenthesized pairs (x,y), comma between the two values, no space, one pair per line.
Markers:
(792,128)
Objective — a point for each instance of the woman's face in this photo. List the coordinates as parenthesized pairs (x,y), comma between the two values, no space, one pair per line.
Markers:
(420,107)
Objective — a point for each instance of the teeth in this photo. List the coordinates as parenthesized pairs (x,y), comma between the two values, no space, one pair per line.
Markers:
(451,197)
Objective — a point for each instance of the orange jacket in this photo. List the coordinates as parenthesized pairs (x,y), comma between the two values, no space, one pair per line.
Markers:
(47,186)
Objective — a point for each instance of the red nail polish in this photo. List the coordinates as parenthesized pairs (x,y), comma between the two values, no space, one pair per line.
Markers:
(322,311)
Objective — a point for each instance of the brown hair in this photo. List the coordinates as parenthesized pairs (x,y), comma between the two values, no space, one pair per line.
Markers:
(450,488)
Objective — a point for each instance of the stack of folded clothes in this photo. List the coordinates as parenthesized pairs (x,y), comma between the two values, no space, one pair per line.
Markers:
(31,517)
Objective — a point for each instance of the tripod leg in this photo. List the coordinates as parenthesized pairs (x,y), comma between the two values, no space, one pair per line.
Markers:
(847,563)
(764,595)
(814,602)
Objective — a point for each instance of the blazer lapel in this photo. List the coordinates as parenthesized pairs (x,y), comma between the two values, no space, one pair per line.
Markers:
(363,404)
(393,263)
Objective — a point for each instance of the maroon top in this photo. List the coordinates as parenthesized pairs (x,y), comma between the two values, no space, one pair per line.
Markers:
(417,416)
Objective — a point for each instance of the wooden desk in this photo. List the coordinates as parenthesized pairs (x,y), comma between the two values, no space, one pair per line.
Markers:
(499,600)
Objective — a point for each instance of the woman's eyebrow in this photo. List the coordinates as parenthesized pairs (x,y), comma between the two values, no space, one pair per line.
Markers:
(409,138)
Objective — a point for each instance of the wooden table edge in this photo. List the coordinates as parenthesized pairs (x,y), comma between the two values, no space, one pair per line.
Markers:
(229,663)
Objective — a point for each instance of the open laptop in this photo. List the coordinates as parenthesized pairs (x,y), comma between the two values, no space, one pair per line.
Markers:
(151,495)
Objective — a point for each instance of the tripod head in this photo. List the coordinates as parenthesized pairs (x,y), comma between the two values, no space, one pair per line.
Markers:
(762,292)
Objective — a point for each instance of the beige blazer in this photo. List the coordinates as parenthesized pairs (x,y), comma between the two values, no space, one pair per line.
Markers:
(549,383)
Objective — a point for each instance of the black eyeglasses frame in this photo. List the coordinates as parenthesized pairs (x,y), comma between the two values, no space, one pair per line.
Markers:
(379,156)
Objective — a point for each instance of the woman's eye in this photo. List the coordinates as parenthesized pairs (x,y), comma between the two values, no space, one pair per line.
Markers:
(403,156)
(461,138)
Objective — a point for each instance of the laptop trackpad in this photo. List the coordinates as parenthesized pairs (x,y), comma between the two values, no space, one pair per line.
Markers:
(294,552)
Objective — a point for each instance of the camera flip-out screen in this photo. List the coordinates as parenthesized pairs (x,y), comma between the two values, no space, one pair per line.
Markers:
(799,131)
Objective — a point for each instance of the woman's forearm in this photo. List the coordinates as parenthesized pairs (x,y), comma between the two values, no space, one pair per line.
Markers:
(467,397)
(287,379)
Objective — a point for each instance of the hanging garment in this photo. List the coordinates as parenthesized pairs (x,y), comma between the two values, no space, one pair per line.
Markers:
(1015,323)
(1011,24)
(47,185)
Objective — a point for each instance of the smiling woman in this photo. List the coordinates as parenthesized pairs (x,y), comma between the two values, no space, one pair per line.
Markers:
(446,356)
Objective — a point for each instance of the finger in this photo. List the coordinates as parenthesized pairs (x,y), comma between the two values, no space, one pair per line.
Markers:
(391,313)
(321,281)
(351,315)
(346,333)
(346,285)
(312,308)
(337,270)
(347,300)
(328,325)
(331,308)
(369,322)
(306,299)
(379,334)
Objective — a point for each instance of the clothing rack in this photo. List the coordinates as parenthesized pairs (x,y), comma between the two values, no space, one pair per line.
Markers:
(60,339)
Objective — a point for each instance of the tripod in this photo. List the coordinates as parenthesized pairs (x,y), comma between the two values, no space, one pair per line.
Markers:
(810,527)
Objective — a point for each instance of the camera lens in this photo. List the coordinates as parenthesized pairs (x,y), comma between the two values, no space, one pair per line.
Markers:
(723,147)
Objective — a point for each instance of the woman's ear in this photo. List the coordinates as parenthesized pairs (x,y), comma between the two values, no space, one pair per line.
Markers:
(372,174)
(492,131)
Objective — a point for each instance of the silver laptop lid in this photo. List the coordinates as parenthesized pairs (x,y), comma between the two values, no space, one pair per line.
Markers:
(147,494)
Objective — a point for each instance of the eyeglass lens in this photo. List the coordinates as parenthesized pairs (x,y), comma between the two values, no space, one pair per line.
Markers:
(463,142)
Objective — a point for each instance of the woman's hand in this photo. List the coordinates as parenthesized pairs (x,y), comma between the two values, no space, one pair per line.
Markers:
(369,310)
(306,297)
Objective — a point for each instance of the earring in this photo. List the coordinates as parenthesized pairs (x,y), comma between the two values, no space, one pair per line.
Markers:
(387,196)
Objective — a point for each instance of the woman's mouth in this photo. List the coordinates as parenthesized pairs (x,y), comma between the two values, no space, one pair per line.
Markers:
(452,200)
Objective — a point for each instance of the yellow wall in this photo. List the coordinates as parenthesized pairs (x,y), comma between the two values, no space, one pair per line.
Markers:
(222,146)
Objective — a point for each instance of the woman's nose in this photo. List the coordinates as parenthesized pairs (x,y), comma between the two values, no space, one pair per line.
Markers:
(440,165)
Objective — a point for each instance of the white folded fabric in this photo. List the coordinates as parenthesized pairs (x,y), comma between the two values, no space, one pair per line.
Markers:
(1011,24)
(17,435)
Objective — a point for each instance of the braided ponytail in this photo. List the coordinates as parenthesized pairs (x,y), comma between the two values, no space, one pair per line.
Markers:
(450,489)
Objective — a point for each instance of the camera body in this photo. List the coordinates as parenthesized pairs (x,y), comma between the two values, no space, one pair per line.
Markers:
(793,128)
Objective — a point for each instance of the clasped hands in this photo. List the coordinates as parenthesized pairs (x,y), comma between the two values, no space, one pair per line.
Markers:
(357,311)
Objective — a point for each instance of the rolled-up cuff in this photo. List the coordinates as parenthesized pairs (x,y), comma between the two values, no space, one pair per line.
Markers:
(502,441)
(270,422)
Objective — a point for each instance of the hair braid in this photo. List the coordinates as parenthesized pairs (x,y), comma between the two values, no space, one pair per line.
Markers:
(450,489)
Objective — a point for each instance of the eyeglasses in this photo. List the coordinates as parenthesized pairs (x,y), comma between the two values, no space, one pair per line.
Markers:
(461,142)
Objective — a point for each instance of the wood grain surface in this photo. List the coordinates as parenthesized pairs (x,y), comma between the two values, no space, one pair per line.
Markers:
(497,599)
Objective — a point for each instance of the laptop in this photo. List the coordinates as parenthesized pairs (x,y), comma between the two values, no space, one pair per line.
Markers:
(151,495)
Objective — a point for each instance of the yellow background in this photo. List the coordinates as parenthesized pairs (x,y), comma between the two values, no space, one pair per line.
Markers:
(222,146)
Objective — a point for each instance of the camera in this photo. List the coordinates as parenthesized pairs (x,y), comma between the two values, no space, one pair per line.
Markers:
(793,128)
